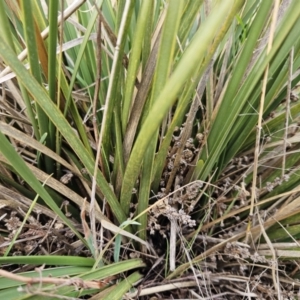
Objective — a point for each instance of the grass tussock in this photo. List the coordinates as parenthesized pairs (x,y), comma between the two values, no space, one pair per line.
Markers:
(149,149)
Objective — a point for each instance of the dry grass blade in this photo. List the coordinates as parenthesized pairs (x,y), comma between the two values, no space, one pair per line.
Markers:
(170,132)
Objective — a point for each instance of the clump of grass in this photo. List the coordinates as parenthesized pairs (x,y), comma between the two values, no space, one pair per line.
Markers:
(149,147)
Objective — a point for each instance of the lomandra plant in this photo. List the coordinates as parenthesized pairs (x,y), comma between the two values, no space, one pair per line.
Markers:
(149,147)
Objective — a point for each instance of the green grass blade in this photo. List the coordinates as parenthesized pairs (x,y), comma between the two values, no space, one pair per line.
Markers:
(276,83)
(164,64)
(104,272)
(19,165)
(190,12)
(233,102)
(5,29)
(61,124)
(7,33)
(49,260)
(78,59)
(135,60)
(185,69)
(123,286)
(30,33)
(115,78)
(52,45)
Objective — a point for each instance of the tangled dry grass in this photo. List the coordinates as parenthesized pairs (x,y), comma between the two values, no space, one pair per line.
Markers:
(163,156)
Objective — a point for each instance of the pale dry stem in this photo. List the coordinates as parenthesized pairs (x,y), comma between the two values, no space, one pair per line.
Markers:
(93,284)
(287,109)
(260,117)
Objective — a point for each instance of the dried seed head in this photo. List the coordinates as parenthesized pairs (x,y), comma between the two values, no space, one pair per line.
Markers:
(199,137)
(65,179)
